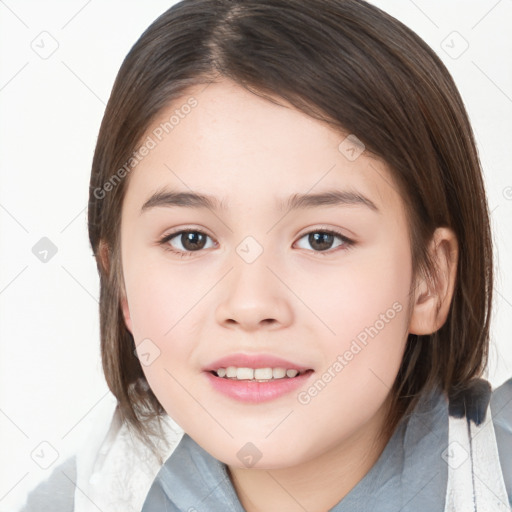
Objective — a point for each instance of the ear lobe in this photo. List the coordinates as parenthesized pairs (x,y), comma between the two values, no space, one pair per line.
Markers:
(432,299)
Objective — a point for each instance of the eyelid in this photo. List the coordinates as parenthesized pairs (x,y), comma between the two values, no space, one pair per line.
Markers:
(322,228)
(343,232)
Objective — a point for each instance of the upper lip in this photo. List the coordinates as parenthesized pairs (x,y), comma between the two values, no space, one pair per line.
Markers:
(253,361)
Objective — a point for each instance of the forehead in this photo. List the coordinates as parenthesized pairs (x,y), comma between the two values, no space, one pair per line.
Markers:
(242,149)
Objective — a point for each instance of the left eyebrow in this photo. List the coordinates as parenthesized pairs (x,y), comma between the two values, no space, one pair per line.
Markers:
(169,198)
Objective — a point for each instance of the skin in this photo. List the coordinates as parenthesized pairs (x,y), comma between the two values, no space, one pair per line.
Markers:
(294,301)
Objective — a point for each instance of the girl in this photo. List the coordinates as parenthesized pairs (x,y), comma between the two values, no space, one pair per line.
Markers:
(292,235)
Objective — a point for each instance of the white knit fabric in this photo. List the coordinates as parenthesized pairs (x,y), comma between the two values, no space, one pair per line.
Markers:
(475,479)
(116,470)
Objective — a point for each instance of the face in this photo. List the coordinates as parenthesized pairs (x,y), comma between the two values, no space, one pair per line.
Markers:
(258,279)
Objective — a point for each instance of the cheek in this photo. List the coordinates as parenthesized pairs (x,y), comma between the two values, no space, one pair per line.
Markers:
(354,294)
(159,295)
(163,304)
(364,307)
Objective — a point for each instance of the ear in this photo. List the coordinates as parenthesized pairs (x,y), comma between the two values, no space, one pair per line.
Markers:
(432,298)
(104,258)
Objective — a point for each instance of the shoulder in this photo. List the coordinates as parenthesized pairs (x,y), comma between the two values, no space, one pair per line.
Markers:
(113,469)
(501,404)
(480,444)
(57,492)
(501,410)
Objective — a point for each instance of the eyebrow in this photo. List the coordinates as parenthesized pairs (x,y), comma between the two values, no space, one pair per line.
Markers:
(170,198)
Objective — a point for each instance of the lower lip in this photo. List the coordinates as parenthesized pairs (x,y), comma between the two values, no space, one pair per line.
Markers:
(256,392)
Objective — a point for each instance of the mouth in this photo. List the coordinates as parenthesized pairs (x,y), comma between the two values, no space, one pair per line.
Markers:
(256,378)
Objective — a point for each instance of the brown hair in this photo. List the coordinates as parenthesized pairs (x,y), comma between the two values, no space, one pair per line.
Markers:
(344,62)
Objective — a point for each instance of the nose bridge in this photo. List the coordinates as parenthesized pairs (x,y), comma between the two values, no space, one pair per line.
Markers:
(251,276)
(254,295)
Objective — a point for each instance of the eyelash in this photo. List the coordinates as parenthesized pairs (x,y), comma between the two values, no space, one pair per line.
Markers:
(164,241)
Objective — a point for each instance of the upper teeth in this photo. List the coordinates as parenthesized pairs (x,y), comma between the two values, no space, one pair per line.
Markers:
(233,372)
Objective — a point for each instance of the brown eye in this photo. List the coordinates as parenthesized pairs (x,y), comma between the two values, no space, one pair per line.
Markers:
(322,241)
(184,242)
(193,240)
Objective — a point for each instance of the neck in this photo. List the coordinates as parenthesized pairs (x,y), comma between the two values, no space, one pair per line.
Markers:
(317,484)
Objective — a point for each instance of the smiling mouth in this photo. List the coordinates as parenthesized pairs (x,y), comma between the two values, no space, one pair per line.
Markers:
(258,374)
(257,385)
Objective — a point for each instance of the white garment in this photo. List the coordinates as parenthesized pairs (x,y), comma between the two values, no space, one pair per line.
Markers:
(116,470)
(475,479)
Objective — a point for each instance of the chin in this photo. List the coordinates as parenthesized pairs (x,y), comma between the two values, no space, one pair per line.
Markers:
(263,454)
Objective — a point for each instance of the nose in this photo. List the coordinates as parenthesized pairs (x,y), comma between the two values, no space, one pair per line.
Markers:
(254,297)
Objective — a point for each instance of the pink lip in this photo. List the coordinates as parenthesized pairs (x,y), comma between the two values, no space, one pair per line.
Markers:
(256,392)
(253,361)
(253,391)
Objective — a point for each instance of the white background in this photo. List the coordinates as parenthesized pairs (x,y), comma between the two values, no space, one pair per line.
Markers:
(50,112)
